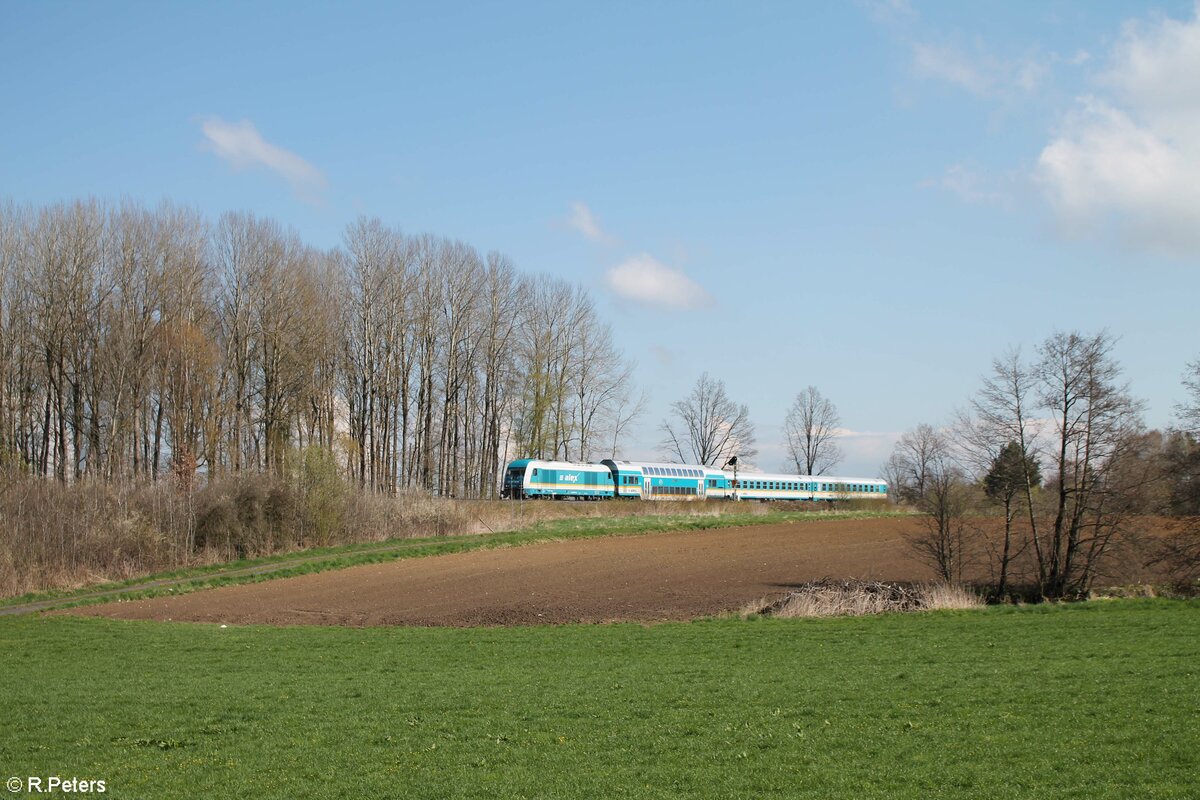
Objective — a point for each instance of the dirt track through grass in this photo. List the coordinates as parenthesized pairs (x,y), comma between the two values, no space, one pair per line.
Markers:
(666,576)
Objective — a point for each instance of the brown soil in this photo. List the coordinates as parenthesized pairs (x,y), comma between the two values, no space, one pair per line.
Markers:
(655,577)
(662,576)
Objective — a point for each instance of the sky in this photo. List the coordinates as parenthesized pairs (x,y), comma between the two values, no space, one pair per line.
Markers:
(875,198)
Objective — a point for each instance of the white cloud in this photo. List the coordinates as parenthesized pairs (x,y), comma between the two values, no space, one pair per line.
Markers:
(866,451)
(978,72)
(973,186)
(1127,164)
(1081,57)
(243,146)
(584,221)
(950,65)
(888,12)
(647,281)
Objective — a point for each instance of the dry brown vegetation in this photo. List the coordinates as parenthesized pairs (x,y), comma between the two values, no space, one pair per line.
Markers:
(853,598)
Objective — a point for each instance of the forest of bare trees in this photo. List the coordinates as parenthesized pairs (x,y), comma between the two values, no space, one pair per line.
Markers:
(144,344)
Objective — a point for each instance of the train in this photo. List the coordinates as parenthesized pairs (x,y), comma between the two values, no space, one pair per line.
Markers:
(534,479)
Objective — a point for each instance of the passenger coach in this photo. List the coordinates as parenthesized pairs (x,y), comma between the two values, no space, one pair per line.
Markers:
(657,481)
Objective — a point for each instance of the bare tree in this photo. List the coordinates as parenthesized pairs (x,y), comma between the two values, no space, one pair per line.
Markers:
(925,473)
(1069,411)
(912,460)
(1095,423)
(502,298)
(811,428)
(998,441)
(1189,409)
(708,427)
(600,387)
(1011,472)
(624,412)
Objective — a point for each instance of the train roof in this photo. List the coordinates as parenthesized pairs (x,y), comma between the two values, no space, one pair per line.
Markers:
(661,465)
(787,476)
(542,464)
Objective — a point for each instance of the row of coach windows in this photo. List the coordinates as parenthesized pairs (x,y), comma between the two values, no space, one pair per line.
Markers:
(674,472)
(786,486)
(850,487)
(680,490)
(790,486)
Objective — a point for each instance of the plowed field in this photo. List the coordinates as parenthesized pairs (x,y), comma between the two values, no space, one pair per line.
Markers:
(662,576)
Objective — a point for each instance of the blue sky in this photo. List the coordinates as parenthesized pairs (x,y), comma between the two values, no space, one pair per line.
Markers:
(872,197)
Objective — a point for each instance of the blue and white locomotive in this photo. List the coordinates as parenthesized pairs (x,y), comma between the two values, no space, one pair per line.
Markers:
(534,478)
(646,480)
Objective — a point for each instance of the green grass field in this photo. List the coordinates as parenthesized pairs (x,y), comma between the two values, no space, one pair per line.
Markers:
(1096,700)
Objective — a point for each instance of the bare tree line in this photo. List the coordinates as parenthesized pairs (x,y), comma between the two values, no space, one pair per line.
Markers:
(149,343)
(708,427)
(1058,445)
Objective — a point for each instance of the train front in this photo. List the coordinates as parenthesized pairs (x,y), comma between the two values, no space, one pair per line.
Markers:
(513,487)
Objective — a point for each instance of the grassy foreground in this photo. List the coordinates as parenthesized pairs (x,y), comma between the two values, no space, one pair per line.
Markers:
(1096,700)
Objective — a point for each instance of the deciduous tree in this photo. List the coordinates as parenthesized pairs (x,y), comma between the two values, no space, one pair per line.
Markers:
(707,427)
(811,429)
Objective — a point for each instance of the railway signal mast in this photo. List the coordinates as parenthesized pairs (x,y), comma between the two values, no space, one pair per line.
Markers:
(733,462)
